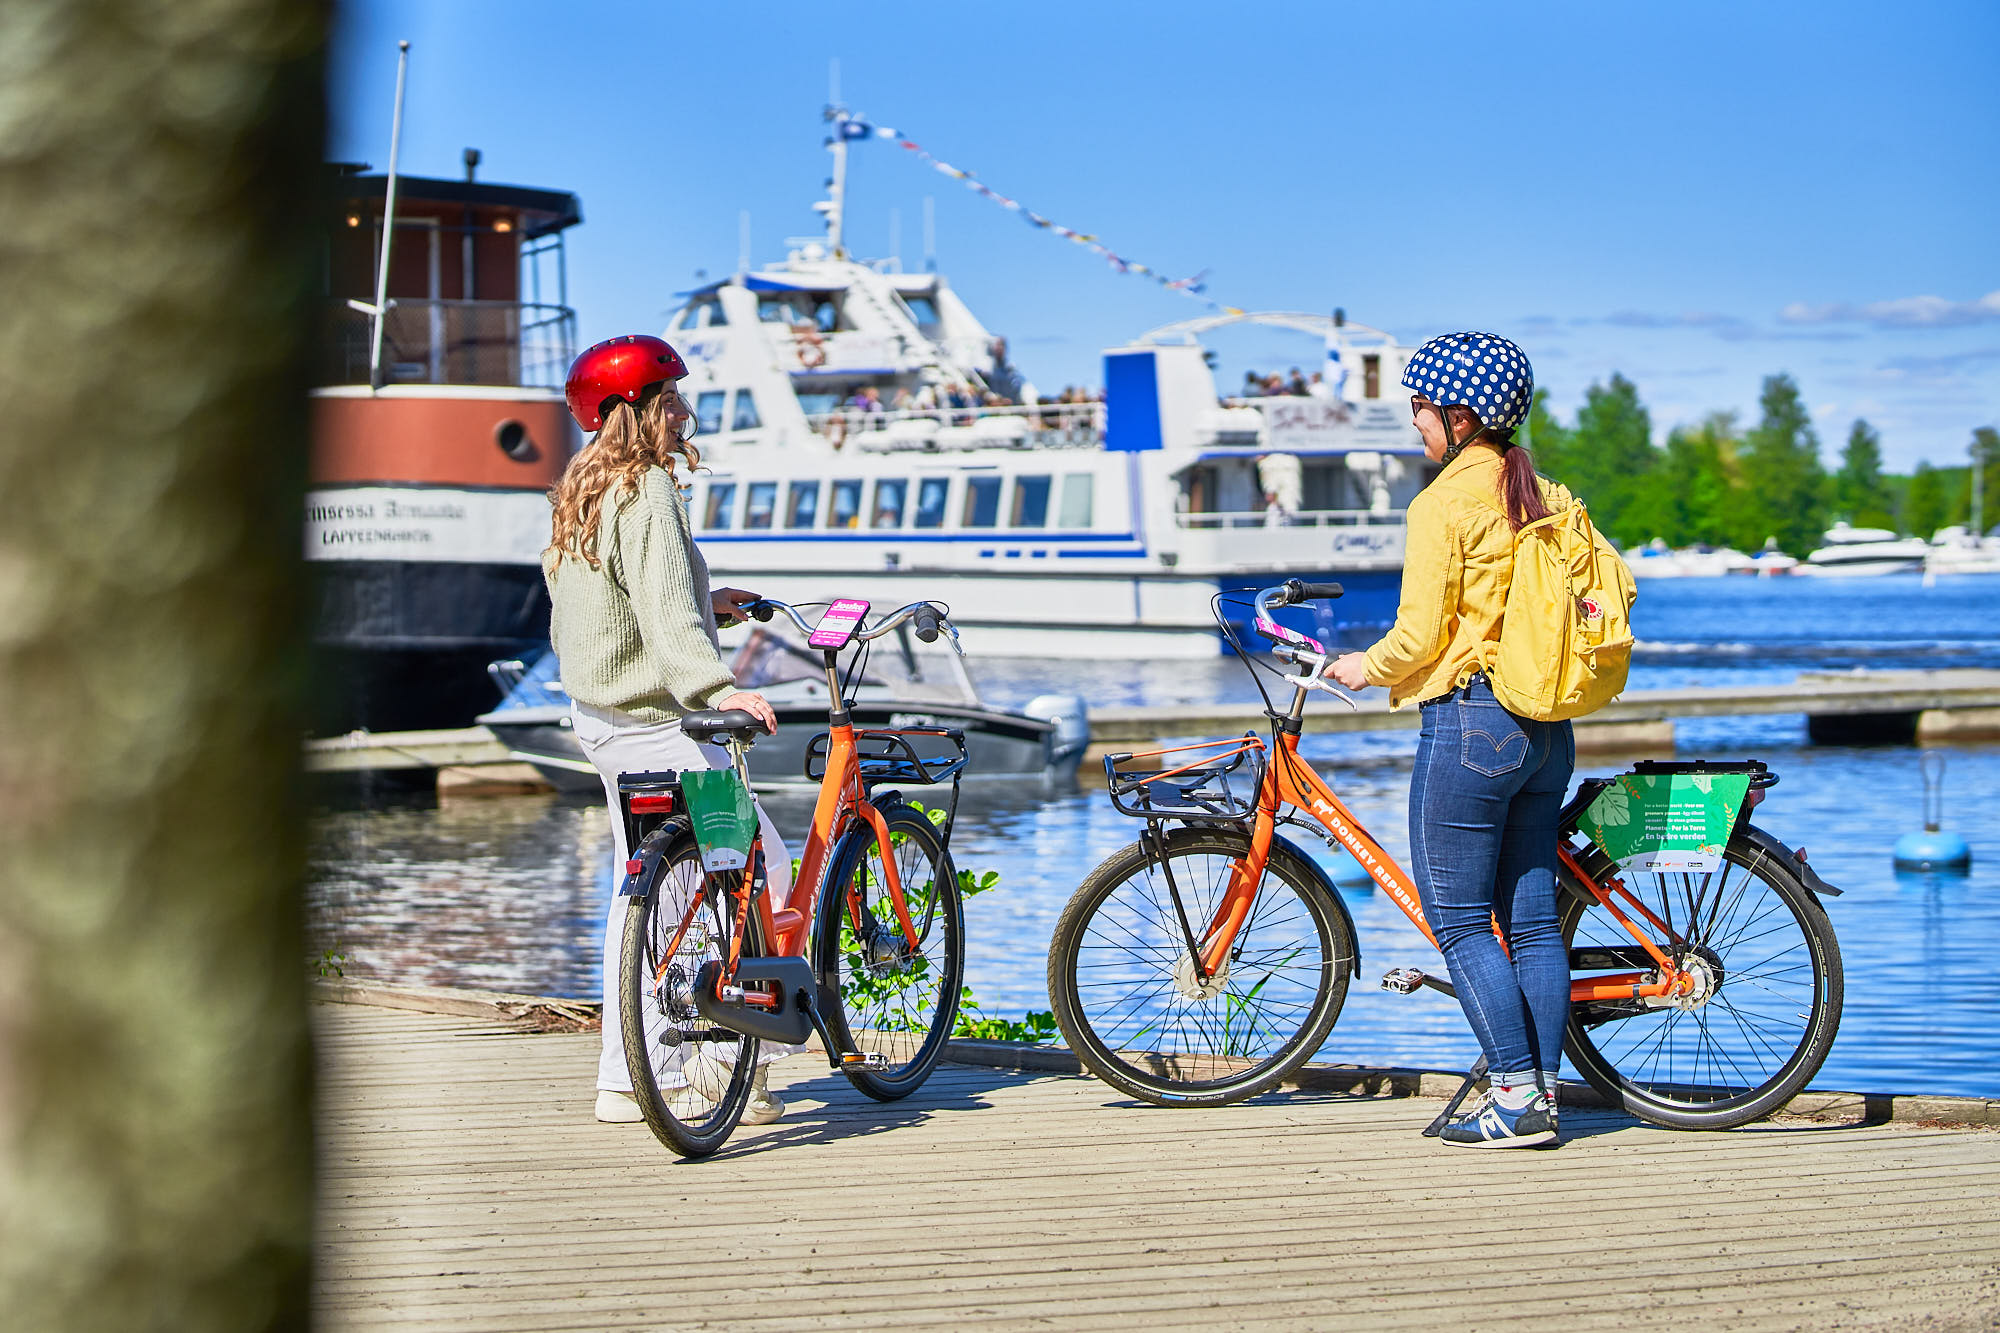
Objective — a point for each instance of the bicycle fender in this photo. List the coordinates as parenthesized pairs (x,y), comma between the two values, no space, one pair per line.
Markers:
(1283,846)
(639,870)
(1793,860)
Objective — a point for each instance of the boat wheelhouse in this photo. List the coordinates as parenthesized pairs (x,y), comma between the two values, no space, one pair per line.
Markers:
(433,452)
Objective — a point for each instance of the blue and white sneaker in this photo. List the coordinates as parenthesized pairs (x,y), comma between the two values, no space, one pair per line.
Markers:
(1488,1125)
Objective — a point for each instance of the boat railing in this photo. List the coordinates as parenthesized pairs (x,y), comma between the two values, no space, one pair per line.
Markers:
(452,342)
(1303,518)
(936,429)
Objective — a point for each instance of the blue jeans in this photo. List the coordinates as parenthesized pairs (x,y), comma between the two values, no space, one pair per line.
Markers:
(1484,801)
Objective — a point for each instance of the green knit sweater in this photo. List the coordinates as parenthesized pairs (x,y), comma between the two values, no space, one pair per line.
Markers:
(638,633)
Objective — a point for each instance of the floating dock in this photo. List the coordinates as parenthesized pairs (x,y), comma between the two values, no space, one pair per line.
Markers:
(1920,707)
(465,1186)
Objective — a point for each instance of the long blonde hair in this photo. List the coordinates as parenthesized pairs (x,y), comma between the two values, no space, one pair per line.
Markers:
(631,440)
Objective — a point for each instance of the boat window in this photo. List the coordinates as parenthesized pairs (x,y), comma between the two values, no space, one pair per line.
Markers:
(982,502)
(818,403)
(708,412)
(825,312)
(1371,375)
(721,504)
(779,308)
(922,307)
(759,504)
(1031,503)
(802,504)
(1075,512)
(745,417)
(704,313)
(845,509)
(889,496)
(931,493)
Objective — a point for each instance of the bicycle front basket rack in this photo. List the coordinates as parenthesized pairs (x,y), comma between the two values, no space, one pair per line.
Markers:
(1216,786)
(920,756)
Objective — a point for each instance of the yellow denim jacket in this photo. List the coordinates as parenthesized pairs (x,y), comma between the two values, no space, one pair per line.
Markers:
(1458,562)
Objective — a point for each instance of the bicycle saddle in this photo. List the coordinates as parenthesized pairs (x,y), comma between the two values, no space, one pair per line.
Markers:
(709,724)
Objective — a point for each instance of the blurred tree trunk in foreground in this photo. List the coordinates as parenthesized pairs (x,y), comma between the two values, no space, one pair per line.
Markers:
(159,168)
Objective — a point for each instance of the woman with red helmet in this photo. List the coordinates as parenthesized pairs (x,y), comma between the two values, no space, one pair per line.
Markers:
(634,626)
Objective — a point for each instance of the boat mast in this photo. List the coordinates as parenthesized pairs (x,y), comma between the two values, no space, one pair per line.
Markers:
(388,225)
(837,188)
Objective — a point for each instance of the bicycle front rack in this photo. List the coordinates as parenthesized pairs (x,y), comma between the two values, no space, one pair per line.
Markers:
(1219,787)
(921,756)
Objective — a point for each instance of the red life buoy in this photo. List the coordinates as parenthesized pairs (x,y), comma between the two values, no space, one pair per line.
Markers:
(809,346)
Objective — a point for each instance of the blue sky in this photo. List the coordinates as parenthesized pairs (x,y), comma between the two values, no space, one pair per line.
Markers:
(1696,195)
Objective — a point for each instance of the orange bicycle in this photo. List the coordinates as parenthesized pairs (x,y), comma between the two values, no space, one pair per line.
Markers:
(868,948)
(1204,962)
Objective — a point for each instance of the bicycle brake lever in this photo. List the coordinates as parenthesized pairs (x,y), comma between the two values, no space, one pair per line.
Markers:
(952,630)
(1314,681)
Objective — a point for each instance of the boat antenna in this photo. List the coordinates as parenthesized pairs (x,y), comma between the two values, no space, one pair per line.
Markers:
(930,234)
(742,244)
(381,305)
(896,239)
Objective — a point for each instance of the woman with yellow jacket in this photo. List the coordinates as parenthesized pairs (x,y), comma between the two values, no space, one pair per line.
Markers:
(1488,785)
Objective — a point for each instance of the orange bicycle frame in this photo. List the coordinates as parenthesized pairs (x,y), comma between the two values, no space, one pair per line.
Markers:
(1290,781)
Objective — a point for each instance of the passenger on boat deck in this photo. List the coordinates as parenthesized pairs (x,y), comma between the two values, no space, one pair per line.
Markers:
(903,401)
(1253,385)
(1317,388)
(1296,385)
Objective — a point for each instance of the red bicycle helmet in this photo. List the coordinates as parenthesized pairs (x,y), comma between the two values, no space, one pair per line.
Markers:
(618,368)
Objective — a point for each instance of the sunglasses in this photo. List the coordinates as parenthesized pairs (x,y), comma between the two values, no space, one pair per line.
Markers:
(1417,405)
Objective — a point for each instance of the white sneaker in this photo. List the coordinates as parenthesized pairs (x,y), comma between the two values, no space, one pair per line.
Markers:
(764,1105)
(618,1108)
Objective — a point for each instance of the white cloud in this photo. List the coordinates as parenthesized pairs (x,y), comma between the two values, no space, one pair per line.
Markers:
(1906,312)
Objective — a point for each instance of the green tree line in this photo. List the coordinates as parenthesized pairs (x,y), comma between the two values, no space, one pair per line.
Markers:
(1719,484)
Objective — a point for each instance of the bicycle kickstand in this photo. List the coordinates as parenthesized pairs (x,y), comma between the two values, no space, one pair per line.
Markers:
(1472,1076)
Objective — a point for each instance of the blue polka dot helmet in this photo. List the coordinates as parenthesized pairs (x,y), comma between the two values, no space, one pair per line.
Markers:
(1482,371)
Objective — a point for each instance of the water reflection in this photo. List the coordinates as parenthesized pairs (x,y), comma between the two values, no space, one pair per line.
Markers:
(509,893)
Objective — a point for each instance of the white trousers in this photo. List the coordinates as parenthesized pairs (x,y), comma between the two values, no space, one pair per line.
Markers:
(615,743)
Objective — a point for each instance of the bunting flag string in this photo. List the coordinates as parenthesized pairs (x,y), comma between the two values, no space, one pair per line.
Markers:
(852,127)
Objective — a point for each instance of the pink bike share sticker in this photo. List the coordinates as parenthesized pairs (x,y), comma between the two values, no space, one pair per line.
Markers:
(1271,629)
(837,626)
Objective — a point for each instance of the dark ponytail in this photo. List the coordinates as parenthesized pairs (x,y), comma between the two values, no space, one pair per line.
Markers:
(1520,492)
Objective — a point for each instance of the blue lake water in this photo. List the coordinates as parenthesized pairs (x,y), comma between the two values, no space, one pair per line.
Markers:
(509,893)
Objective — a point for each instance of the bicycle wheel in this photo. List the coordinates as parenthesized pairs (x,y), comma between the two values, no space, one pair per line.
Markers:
(1767,1005)
(896,1002)
(691,1077)
(1135,1012)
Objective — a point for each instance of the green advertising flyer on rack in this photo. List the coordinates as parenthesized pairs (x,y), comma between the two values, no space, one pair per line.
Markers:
(1666,821)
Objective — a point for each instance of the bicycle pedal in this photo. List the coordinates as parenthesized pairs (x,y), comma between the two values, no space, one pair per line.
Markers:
(1404,980)
(863,1060)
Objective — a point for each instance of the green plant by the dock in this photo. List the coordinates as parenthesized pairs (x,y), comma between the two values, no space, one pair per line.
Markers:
(859,989)
(332,962)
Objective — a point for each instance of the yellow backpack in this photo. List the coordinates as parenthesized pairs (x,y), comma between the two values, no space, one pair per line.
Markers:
(1566,635)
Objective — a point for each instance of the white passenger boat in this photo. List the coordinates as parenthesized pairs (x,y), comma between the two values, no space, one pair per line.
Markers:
(863,434)
(1956,550)
(1852,552)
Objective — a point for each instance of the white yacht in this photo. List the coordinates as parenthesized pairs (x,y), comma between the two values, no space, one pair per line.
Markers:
(864,435)
(1852,552)
(1957,550)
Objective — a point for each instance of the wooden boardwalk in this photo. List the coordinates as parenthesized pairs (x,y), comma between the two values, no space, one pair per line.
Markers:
(464,1186)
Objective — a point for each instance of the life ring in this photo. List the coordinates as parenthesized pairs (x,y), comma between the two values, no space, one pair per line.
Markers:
(809,346)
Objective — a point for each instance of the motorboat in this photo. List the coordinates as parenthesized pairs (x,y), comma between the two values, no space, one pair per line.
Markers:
(905,687)
(1958,550)
(1851,552)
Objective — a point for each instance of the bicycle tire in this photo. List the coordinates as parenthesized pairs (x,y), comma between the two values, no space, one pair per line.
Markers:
(1124,907)
(693,1095)
(899,1003)
(1756,1033)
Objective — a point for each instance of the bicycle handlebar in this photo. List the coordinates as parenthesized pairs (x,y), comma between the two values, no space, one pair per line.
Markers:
(929,619)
